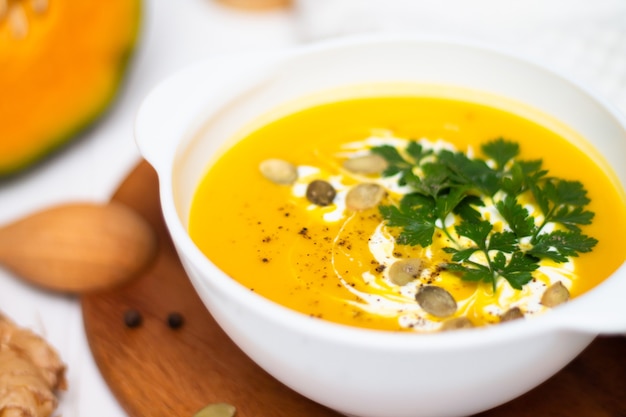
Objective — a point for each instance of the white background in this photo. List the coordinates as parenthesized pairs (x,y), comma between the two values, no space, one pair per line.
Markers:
(585,39)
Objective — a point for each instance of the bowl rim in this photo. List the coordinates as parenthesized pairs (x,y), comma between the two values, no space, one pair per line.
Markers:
(301,324)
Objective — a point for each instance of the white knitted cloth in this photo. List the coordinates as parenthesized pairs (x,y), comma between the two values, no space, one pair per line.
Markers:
(585,39)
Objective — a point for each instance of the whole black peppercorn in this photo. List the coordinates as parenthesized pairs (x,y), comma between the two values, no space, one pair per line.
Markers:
(175,320)
(132,318)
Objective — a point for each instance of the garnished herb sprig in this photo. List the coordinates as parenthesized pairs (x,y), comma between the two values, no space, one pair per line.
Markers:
(447,190)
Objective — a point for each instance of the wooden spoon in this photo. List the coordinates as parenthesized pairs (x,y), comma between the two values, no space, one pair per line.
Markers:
(78,248)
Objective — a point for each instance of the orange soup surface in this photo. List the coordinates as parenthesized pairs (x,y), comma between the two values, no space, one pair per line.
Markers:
(493,252)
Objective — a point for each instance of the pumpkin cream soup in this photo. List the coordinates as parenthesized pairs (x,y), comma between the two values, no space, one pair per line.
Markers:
(410,213)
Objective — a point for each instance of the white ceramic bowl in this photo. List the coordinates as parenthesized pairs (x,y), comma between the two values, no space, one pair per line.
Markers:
(355,371)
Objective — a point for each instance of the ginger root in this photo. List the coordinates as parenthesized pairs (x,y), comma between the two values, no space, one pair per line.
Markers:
(31,372)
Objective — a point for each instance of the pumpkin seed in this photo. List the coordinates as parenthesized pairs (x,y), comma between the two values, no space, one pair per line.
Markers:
(512,313)
(217,410)
(367,164)
(320,192)
(279,171)
(436,301)
(457,323)
(364,196)
(405,270)
(132,318)
(554,295)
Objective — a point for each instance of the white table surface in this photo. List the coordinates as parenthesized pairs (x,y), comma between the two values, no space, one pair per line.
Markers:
(175,33)
(590,46)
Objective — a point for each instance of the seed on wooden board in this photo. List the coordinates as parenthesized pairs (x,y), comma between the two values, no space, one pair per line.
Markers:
(364,196)
(512,313)
(132,318)
(367,164)
(320,192)
(436,301)
(279,171)
(175,320)
(554,295)
(217,410)
(456,324)
(405,270)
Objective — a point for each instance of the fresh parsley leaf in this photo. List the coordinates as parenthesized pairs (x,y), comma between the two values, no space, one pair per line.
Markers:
(415,216)
(571,218)
(476,232)
(517,217)
(448,183)
(563,192)
(417,151)
(475,272)
(513,181)
(559,245)
(417,234)
(417,201)
(461,255)
(562,202)
(518,270)
(391,155)
(532,169)
(396,163)
(466,208)
(541,197)
(435,179)
(447,203)
(505,242)
(501,151)
(465,171)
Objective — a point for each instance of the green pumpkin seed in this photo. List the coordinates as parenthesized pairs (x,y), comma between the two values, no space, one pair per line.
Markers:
(456,324)
(279,171)
(405,270)
(512,313)
(217,410)
(367,164)
(364,196)
(320,192)
(436,301)
(554,295)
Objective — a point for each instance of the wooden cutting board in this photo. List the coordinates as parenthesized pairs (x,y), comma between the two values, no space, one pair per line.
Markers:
(155,370)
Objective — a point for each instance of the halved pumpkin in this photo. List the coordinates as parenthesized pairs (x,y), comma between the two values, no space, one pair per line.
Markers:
(61,63)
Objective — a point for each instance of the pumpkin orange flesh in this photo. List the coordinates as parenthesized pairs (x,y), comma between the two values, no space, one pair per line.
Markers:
(63,74)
